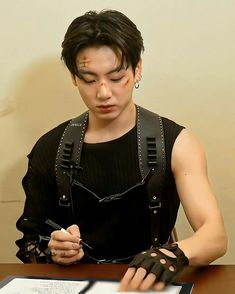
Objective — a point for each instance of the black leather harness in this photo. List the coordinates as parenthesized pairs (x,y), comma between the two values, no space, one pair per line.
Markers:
(151,155)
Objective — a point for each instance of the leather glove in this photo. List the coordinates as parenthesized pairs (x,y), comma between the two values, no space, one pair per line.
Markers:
(163,266)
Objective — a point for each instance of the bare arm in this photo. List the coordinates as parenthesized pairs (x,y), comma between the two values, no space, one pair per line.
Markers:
(209,240)
(189,167)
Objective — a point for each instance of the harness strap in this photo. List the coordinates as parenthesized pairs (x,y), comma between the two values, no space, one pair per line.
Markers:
(152,161)
(68,157)
(151,154)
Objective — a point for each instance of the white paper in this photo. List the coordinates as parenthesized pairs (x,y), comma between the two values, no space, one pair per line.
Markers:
(101,287)
(52,286)
(42,286)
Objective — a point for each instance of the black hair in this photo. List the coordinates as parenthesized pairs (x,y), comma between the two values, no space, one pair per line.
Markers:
(105,28)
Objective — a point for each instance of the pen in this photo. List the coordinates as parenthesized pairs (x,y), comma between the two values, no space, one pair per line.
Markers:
(58,227)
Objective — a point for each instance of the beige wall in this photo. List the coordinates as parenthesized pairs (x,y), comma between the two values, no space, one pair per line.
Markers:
(188,75)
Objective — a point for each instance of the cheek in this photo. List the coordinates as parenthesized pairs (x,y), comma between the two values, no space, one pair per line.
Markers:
(85,91)
(124,89)
(127,83)
(86,95)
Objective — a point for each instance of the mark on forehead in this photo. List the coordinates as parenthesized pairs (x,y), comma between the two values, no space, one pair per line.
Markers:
(84,62)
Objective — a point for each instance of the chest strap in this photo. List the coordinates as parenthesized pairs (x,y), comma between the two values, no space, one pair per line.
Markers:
(151,155)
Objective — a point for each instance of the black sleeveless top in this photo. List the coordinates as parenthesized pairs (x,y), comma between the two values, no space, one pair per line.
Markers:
(115,229)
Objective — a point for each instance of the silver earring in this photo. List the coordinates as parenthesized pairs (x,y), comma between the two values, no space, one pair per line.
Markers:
(137,85)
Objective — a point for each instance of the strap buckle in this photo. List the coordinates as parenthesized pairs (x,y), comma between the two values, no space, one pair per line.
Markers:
(64,201)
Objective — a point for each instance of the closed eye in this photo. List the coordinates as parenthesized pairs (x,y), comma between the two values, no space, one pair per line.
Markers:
(116,80)
(88,82)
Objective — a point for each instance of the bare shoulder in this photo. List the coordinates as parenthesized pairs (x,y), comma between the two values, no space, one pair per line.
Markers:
(190,172)
(188,154)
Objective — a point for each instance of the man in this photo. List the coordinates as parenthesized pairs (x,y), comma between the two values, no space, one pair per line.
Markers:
(108,205)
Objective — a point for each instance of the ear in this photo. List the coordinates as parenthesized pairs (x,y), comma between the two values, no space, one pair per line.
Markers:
(138,71)
(74,80)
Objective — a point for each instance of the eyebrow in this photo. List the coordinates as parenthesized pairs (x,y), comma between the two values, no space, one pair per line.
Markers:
(88,72)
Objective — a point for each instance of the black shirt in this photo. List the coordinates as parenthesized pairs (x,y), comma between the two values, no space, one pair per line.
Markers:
(115,229)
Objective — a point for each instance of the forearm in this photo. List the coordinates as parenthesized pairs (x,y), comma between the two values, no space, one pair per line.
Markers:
(207,244)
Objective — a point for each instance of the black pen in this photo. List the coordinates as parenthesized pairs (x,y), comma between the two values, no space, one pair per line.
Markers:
(87,287)
(58,227)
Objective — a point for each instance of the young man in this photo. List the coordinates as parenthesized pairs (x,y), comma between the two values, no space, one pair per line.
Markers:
(111,187)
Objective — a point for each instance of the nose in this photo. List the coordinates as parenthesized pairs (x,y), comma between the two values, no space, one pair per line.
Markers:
(104,92)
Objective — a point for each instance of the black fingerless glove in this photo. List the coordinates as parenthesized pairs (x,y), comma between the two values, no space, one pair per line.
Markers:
(163,266)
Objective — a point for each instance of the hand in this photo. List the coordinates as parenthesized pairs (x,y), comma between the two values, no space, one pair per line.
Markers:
(65,246)
(154,268)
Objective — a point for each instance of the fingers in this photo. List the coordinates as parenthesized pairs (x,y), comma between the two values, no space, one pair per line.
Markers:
(63,253)
(74,230)
(159,286)
(148,282)
(136,279)
(127,279)
(65,246)
(64,258)
(63,236)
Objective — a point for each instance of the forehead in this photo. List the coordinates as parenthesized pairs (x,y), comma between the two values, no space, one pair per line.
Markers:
(97,58)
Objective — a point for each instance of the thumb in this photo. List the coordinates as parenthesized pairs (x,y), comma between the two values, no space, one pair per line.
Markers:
(74,230)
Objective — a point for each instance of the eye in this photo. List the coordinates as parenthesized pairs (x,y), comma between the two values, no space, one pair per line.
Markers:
(116,80)
(89,82)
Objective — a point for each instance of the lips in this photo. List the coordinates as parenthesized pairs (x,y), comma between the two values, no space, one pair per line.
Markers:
(106,108)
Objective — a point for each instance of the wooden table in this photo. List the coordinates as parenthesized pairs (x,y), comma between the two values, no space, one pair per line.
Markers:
(211,279)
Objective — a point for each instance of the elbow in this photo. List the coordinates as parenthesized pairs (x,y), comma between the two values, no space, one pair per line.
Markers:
(223,245)
(220,247)
(220,241)
(216,249)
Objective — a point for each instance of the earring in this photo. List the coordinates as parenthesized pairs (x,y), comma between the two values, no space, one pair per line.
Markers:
(137,85)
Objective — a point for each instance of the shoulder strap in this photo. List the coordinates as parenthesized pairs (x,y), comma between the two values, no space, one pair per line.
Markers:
(150,140)
(152,162)
(68,157)
(151,154)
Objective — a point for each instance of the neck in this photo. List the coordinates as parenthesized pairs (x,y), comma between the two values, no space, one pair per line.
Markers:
(107,130)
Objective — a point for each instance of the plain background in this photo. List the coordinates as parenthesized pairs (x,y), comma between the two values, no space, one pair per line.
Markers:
(188,76)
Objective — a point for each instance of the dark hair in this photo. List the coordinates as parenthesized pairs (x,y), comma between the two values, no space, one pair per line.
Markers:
(105,28)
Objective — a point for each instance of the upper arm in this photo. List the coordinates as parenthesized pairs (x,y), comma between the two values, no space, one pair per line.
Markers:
(190,172)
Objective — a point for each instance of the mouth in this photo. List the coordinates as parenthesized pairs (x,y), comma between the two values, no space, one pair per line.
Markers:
(106,108)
